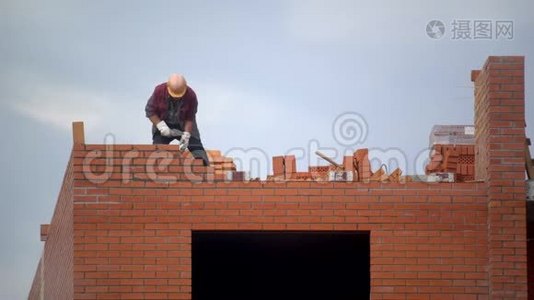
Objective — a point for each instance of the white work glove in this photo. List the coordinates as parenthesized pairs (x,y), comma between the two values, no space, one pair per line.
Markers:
(184,141)
(164,129)
(176,132)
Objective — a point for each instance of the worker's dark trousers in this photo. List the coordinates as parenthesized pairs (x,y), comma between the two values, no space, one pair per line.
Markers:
(195,145)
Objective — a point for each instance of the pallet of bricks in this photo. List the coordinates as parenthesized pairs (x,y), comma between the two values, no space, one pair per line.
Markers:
(452,151)
(456,159)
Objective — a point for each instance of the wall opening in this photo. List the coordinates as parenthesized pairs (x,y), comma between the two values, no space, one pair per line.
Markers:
(280,265)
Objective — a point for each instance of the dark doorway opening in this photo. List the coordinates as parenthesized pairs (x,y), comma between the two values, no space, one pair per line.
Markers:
(257,265)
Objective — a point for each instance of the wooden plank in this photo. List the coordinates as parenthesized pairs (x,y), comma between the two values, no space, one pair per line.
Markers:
(328,159)
(78,133)
(44,232)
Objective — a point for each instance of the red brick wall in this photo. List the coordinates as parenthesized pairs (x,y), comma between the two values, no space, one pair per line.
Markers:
(425,239)
(37,284)
(56,265)
(500,138)
(133,217)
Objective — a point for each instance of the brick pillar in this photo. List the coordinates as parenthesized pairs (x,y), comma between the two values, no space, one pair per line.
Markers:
(500,162)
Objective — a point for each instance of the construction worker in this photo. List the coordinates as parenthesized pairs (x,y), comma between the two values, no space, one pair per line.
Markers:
(172,110)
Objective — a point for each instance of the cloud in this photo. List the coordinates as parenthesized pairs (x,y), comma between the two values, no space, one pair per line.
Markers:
(103,112)
(60,105)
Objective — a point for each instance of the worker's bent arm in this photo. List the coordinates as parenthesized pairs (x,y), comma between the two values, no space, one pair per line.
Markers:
(150,111)
(188,126)
(191,115)
(154,119)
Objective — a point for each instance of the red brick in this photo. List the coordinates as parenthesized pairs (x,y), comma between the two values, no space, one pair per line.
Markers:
(278,165)
(290,166)
(348,163)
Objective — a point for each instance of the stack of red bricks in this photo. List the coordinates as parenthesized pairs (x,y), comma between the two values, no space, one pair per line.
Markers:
(360,165)
(224,167)
(284,168)
(221,164)
(457,159)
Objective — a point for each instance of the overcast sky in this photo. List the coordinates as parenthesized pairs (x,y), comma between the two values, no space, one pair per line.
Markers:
(271,77)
